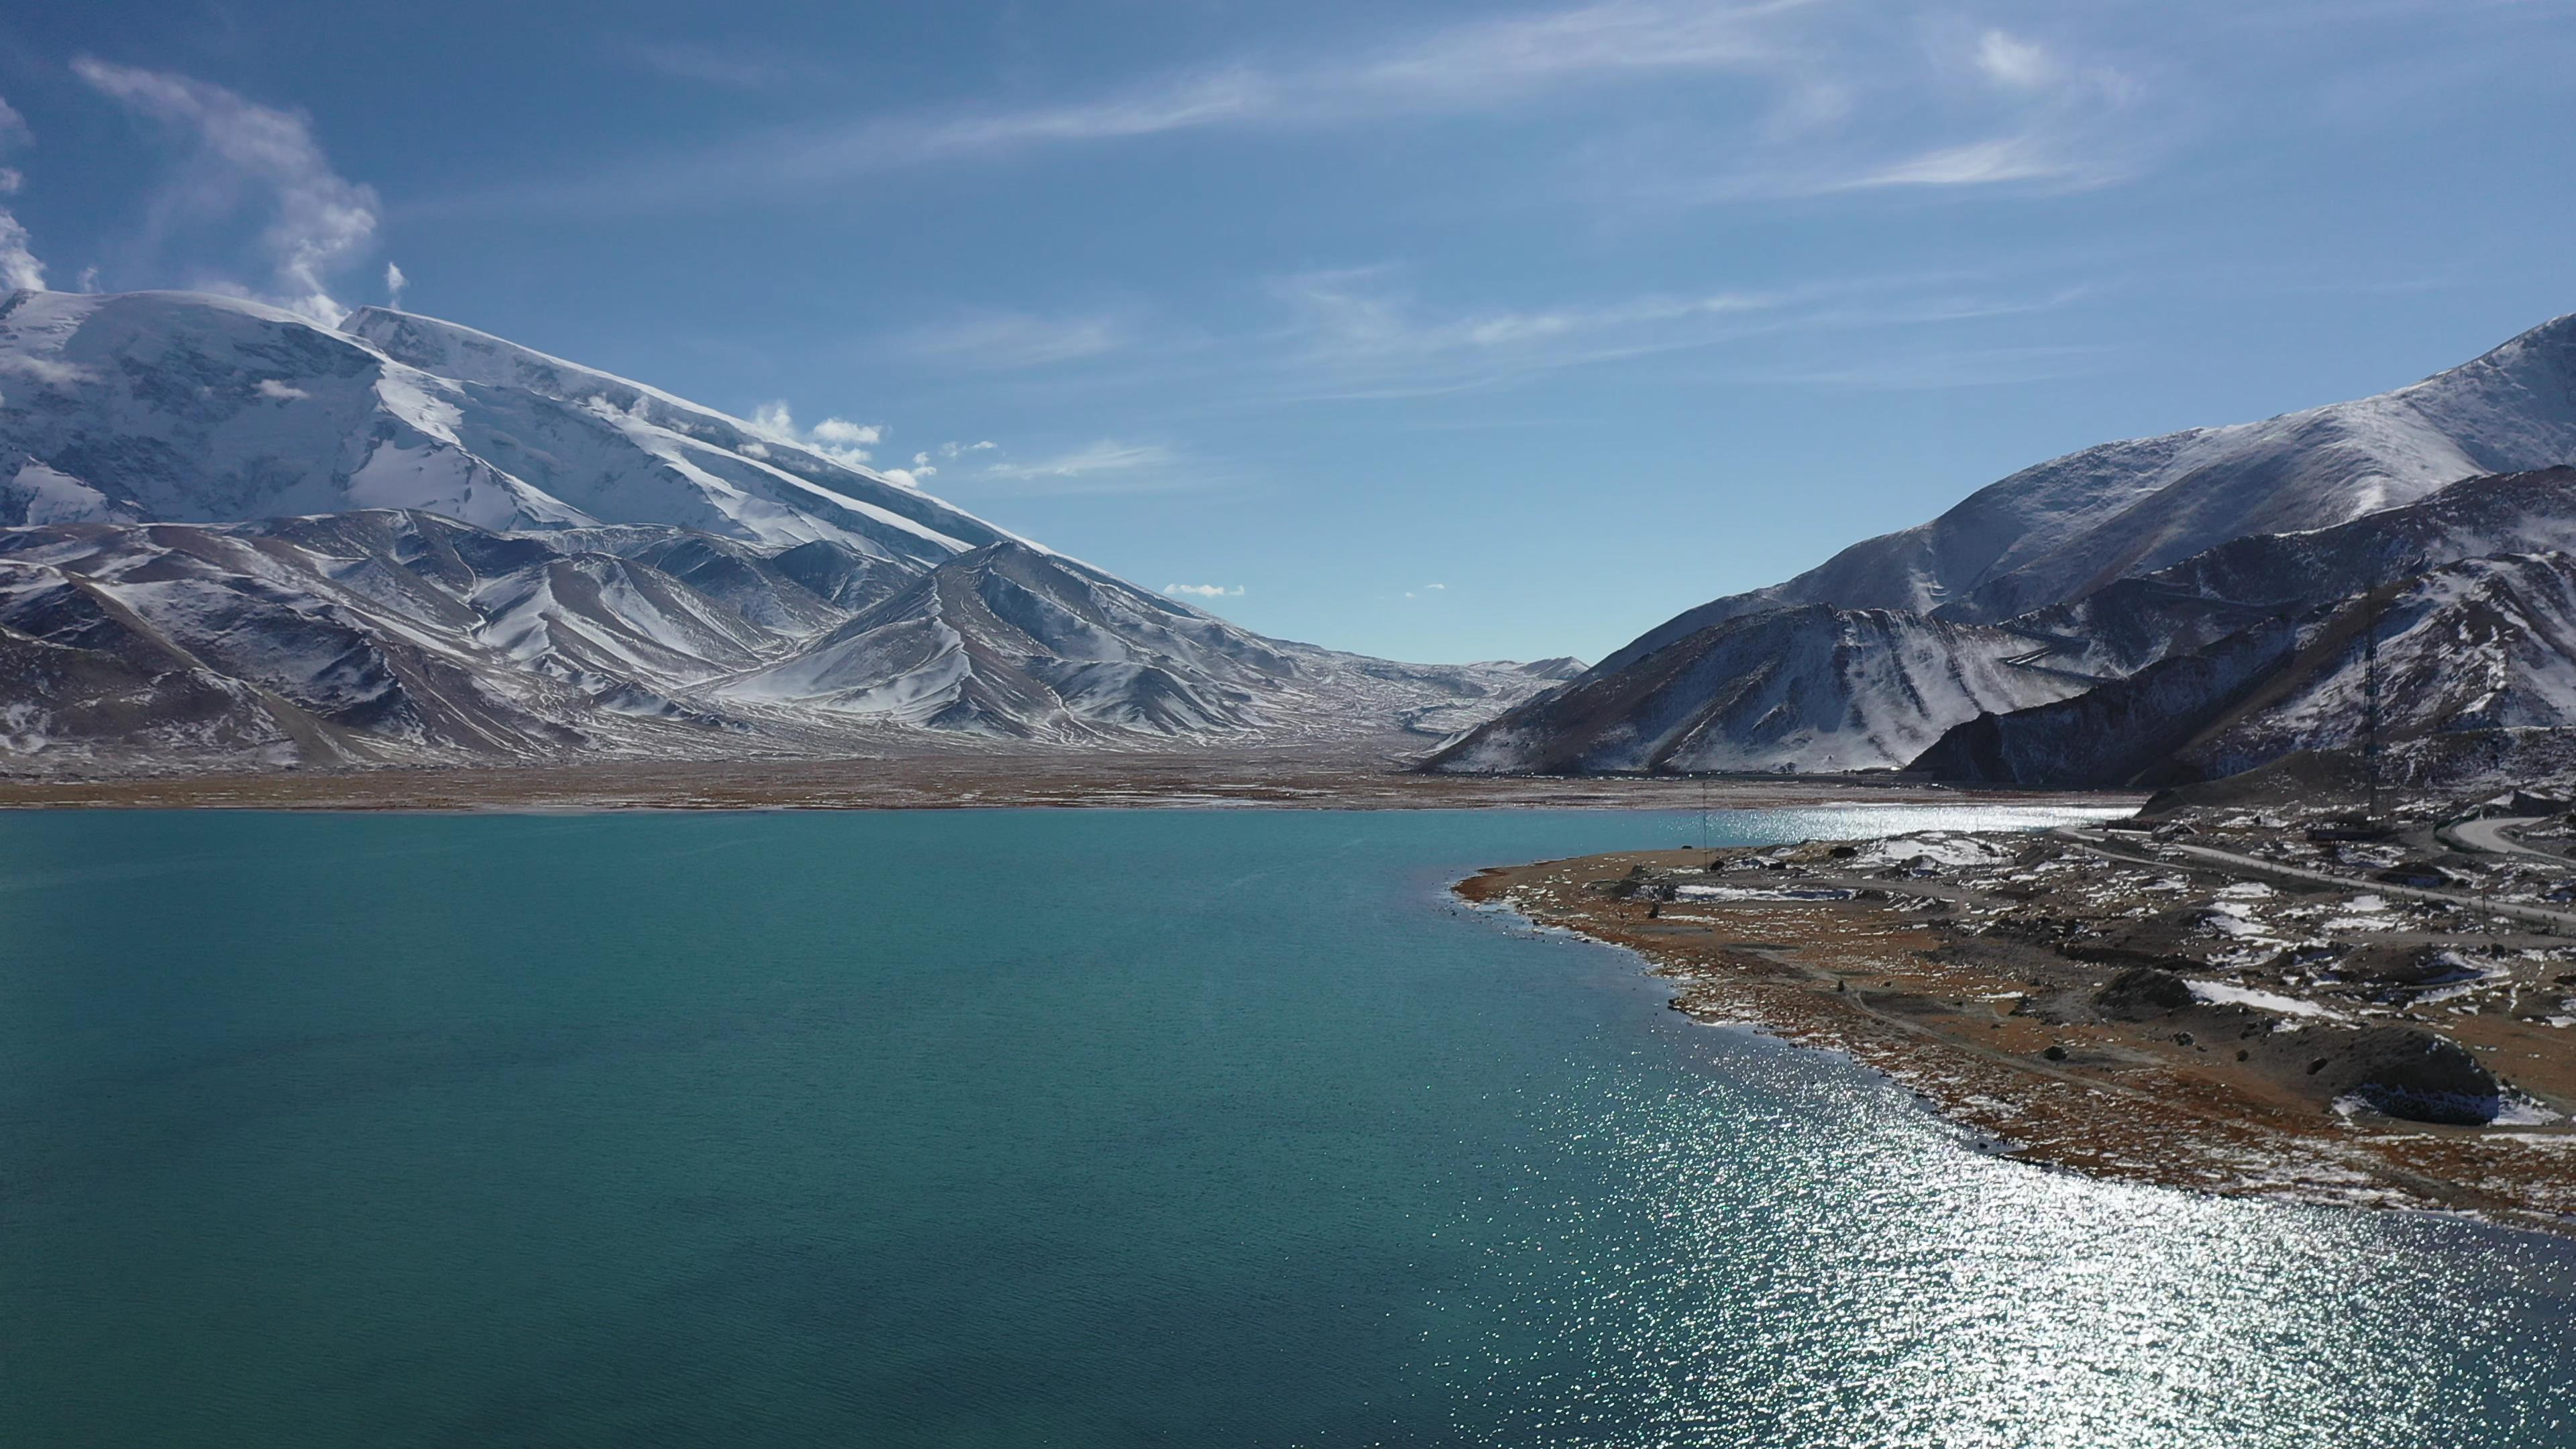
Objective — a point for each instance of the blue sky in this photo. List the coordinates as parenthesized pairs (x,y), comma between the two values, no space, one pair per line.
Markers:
(1438,331)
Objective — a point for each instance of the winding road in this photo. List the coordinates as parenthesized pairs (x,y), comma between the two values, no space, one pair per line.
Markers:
(2254,867)
(2488,836)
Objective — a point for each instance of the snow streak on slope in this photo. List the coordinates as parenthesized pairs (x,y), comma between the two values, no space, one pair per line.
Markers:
(473,547)
(1007,640)
(2483,647)
(180,407)
(2060,530)
(403,635)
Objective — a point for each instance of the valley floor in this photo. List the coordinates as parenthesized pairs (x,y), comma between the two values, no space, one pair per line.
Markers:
(2005,980)
(964,777)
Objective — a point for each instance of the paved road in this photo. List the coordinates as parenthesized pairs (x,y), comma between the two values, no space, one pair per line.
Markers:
(2488,835)
(2253,866)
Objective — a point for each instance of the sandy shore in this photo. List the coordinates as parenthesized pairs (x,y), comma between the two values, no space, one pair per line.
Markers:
(1933,975)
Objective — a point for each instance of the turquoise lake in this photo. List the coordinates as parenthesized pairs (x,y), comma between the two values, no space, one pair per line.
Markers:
(1075,1128)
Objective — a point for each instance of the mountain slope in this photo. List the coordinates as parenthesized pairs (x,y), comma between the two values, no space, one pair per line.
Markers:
(172,406)
(386,636)
(2482,646)
(239,535)
(2064,528)
(1803,689)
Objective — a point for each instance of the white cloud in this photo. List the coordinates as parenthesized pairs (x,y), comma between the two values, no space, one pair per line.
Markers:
(19,267)
(395,283)
(1426,589)
(951,450)
(842,433)
(838,439)
(912,477)
(319,220)
(18,264)
(275,390)
(46,370)
(1205,591)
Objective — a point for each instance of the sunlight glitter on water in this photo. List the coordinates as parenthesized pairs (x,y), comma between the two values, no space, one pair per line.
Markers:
(1774,1259)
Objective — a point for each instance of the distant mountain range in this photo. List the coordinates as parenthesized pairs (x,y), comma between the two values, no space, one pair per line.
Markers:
(229,535)
(2152,611)
(242,537)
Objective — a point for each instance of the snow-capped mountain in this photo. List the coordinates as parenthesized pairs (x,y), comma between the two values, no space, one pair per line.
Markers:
(404,635)
(180,407)
(1811,688)
(2069,526)
(241,535)
(2098,565)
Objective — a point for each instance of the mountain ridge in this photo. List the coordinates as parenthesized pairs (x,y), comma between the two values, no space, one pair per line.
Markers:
(2111,560)
(227,532)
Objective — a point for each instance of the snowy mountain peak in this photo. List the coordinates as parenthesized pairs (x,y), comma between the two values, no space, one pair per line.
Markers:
(181,406)
(2061,529)
(227,533)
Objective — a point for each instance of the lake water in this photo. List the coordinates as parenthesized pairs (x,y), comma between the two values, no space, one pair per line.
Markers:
(1075,1128)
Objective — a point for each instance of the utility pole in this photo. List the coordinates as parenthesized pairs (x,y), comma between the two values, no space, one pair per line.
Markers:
(2370,705)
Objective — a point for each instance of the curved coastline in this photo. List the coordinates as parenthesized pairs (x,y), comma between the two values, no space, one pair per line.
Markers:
(1883,981)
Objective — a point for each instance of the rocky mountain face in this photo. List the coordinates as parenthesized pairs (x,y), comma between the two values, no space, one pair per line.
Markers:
(2469,656)
(1810,688)
(241,537)
(2148,584)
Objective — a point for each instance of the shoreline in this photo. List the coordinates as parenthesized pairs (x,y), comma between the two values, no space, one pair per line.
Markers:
(964,780)
(1988,1042)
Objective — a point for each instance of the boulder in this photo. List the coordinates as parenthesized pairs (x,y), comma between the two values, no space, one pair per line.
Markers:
(2142,993)
(2409,1073)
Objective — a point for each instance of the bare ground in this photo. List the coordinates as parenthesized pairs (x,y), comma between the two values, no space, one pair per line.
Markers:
(1909,976)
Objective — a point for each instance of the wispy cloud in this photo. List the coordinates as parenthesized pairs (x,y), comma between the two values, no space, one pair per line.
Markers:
(1008,341)
(1357,313)
(319,221)
(1791,98)
(1106,466)
(1205,591)
(1104,456)
(733,66)
(1469,66)
(18,265)
(1979,163)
